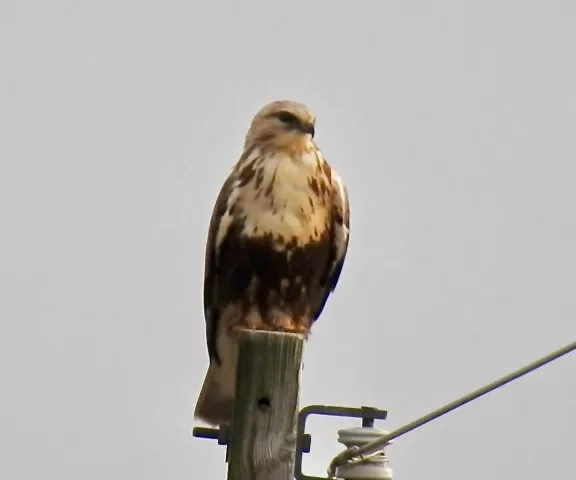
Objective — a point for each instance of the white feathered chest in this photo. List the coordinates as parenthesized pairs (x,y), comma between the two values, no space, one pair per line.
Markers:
(286,198)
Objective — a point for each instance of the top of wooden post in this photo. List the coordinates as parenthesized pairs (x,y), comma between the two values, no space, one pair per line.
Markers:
(263,433)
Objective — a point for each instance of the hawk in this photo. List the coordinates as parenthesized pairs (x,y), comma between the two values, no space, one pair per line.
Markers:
(276,245)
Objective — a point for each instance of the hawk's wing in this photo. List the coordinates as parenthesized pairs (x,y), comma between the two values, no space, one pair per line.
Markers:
(211,268)
(339,237)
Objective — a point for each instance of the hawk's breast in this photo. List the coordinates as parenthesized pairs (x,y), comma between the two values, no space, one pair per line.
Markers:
(286,200)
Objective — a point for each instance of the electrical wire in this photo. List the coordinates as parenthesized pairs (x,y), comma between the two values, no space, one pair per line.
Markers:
(354,452)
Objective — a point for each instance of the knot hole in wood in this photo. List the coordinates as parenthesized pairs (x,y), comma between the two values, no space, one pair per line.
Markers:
(264,404)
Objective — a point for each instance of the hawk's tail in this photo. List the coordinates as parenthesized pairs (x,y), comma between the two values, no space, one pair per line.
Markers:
(216,400)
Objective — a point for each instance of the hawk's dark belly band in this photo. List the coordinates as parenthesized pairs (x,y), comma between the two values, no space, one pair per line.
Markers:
(254,273)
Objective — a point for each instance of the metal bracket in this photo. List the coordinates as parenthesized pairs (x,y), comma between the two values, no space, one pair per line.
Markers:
(367,414)
(222,435)
(303,440)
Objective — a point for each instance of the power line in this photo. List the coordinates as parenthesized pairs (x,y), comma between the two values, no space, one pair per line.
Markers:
(353,453)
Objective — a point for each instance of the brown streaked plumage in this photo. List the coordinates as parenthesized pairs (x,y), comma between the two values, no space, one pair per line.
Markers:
(276,244)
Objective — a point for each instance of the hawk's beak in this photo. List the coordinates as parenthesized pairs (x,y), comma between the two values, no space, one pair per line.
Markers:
(308,129)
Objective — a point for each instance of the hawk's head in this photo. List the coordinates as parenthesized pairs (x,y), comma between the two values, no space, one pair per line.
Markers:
(284,124)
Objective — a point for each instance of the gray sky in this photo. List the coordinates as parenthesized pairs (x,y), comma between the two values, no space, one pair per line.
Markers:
(452,124)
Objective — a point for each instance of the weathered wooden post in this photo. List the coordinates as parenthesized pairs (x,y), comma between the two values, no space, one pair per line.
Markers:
(262,443)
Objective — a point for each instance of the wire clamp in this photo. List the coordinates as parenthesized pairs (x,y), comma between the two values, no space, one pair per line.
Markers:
(373,466)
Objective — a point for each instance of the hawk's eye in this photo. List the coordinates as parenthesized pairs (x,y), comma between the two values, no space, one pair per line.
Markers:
(288,119)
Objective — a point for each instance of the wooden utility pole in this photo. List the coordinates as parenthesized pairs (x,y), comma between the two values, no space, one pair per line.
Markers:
(262,444)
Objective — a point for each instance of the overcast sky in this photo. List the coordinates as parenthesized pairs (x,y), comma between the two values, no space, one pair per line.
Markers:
(453,125)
